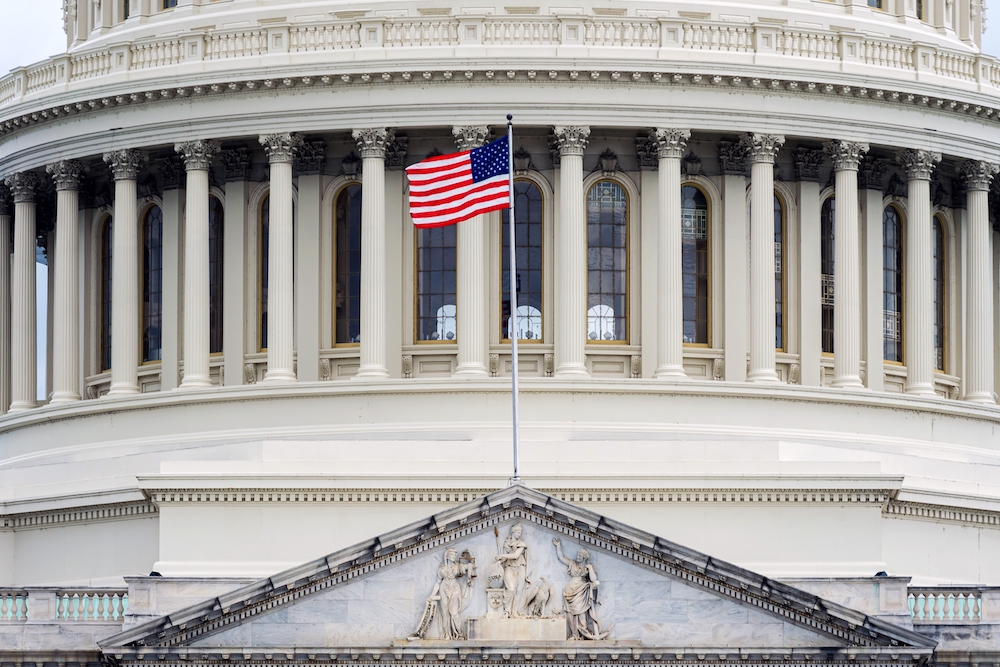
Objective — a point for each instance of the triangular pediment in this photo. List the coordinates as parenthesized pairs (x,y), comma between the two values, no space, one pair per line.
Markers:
(632,594)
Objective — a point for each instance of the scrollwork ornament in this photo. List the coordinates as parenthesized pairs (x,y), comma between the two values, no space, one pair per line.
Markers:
(571,139)
(846,155)
(762,147)
(126,163)
(237,164)
(311,157)
(978,175)
(919,165)
(66,174)
(23,186)
(670,142)
(807,164)
(197,155)
(871,172)
(373,141)
(733,158)
(468,137)
(281,148)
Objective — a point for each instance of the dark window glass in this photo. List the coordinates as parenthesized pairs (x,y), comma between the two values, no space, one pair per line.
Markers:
(939,295)
(694,260)
(125,8)
(892,284)
(348,296)
(216,246)
(827,220)
(528,212)
(607,262)
(152,284)
(167,4)
(436,283)
(265,224)
(107,245)
(779,274)
(920,10)
(877,4)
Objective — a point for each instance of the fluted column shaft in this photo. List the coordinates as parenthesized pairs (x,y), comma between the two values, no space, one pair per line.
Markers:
(5,230)
(670,254)
(918,348)
(125,281)
(372,144)
(470,242)
(571,304)
(847,268)
(66,310)
(762,150)
(24,386)
(979,289)
(281,150)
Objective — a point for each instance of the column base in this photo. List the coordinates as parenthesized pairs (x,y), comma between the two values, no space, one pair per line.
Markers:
(920,389)
(22,406)
(195,382)
(471,371)
(670,373)
(847,382)
(572,371)
(123,389)
(280,376)
(763,376)
(64,397)
(981,397)
(371,372)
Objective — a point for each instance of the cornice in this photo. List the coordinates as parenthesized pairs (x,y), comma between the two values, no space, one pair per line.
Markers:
(77,515)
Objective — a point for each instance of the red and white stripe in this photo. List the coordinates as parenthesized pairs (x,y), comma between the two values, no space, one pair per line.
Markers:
(442,192)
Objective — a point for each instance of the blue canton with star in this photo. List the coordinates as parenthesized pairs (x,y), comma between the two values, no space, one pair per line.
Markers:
(490,160)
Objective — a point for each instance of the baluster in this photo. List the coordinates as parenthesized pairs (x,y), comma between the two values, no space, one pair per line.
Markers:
(62,607)
(949,607)
(74,606)
(4,606)
(104,603)
(911,603)
(21,607)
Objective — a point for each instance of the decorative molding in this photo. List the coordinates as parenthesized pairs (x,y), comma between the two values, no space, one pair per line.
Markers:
(6,200)
(733,159)
(807,163)
(468,137)
(896,187)
(311,157)
(395,152)
(871,172)
(762,147)
(171,170)
(281,148)
(522,162)
(901,509)
(919,165)
(23,186)
(670,142)
(237,163)
(373,141)
(126,163)
(197,155)
(691,165)
(408,366)
(978,175)
(571,139)
(494,364)
(67,174)
(73,515)
(645,151)
(846,155)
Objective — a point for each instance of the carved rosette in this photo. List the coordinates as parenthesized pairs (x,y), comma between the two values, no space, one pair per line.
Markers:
(66,174)
(237,164)
(978,175)
(846,155)
(670,142)
(762,147)
(23,186)
(198,154)
(571,139)
(732,158)
(6,200)
(373,141)
(311,157)
(125,164)
(919,165)
(281,148)
(468,137)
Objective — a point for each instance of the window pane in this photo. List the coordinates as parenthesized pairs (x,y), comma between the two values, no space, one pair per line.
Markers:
(348,288)
(107,245)
(436,283)
(265,224)
(694,262)
(892,282)
(152,284)
(528,214)
(827,220)
(216,246)
(607,217)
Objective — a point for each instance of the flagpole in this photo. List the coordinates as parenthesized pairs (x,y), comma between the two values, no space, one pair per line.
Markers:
(512,325)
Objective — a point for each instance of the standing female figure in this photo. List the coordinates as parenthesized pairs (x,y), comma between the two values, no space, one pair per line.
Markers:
(580,595)
(515,572)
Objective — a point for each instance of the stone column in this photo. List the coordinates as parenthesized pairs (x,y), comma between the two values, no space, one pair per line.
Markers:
(281,150)
(979,288)
(846,157)
(571,255)
(762,150)
(733,163)
(238,168)
(6,208)
(125,166)
(918,348)
(24,381)
(670,145)
(66,311)
(372,144)
(471,244)
(197,161)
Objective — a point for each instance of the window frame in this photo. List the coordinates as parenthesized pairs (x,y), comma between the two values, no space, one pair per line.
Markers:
(626,186)
(264,204)
(832,199)
(222,289)
(340,190)
(942,308)
(710,323)
(897,207)
(780,199)
(145,210)
(105,226)
(544,249)
(416,288)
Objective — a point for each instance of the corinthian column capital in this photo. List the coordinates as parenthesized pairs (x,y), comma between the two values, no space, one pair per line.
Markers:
(197,155)
(846,155)
(23,186)
(6,200)
(919,165)
(67,174)
(571,139)
(978,175)
(125,164)
(762,147)
(281,147)
(468,137)
(373,141)
(670,142)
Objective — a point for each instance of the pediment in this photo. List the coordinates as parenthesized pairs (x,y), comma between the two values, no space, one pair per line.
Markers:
(631,594)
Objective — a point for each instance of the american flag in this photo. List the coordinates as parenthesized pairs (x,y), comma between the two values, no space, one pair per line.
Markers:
(446,189)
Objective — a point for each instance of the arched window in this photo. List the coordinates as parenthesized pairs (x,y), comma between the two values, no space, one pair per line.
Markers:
(216,248)
(827,220)
(607,262)
(939,294)
(347,311)
(528,208)
(265,224)
(152,284)
(892,284)
(779,274)
(107,246)
(436,284)
(695,263)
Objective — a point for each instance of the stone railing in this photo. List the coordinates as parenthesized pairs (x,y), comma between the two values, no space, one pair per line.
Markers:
(946,605)
(650,38)
(61,605)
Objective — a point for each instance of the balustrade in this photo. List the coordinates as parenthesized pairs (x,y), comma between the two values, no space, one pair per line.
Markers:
(945,605)
(13,605)
(64,605)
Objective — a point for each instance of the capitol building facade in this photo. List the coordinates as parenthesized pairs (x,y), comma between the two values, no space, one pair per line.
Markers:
(757,269)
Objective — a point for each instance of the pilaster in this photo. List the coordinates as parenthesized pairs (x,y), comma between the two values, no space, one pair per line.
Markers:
(237,170)
(307,253)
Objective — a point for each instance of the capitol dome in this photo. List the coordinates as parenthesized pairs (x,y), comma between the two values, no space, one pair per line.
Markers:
(757,311)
